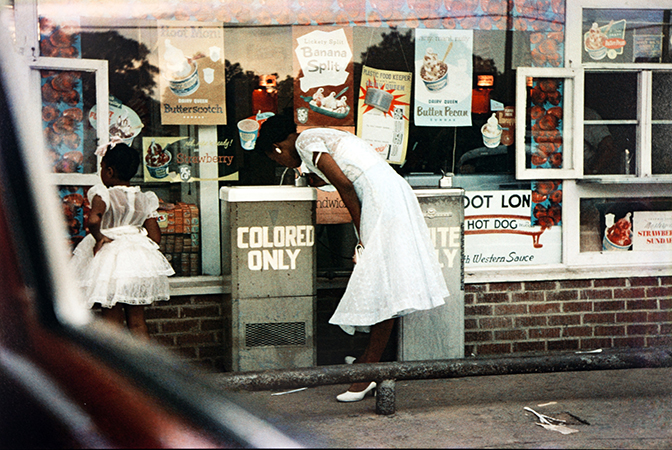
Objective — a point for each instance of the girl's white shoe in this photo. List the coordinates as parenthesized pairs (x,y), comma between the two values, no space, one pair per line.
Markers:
(348,396)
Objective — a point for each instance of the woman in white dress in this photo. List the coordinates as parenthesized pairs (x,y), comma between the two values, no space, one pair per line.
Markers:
(118,263)
(397,271)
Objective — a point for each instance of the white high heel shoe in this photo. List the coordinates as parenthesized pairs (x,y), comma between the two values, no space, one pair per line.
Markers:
(348,396)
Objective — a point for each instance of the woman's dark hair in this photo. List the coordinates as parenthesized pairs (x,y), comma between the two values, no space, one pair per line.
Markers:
(274,129)
(123,159)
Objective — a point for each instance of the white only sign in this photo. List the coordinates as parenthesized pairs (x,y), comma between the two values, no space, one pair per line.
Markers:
(324,57)
(498,231)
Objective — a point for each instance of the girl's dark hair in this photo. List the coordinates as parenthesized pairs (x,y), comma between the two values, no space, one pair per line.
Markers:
(274,129)
(123,159)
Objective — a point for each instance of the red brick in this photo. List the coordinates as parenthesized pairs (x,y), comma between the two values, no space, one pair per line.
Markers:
(631,342)
(210,351)
(631,317)
(179,300)
(666,328)
(209,298)
(508,309)
(544,333)
(185,352)
(641,304)
(636,293)
(520,347)
(660,316)
(469,299)
(666,281)
(599,318)
(562,295)
(199,338)
(504,287)
(493,349)
(540,285)
(537,296)
(180,326)
(477,336)
(665,291)
(644,281)
(494,297)
(563,345)
(581,331)
(531,321)
(616,305)
(614,330)
(609,282)
(574,319)
(470,324)
(475,288)
(540,308)
(596,294)
(665,303)
(495,322)
(212,324)
(200,311)
(659,341)
(642,329)
(166,341)
(155,313)
(580,306)
(574,284)
(595,343)
(510,335)
(478,310)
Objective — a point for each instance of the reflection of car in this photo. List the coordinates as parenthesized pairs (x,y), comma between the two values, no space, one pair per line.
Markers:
(67,381)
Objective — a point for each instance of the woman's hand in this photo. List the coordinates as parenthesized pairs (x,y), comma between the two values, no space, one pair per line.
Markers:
(99,244)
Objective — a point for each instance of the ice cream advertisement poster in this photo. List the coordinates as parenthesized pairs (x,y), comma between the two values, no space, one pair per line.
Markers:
(384,109)
(499,231)
(323,85)
(605,40)
(652,231)
(443,77)
(191,64)
(179,159)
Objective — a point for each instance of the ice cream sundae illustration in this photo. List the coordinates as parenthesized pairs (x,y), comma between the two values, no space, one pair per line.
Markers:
(434,72)
(594,42)
(617,236)
(157,160)
(492,132)
(180,71)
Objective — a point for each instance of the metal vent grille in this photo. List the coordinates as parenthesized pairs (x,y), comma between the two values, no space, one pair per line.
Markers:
(275,334)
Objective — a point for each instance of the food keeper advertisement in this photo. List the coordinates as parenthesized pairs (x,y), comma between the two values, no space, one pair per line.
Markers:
(443,77)
(191,63)
(384,103)
(498,231)
(323,81)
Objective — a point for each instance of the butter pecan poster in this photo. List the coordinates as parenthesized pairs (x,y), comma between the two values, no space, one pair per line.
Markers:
(384,108)
(323,85)
(191,62)
(443,77)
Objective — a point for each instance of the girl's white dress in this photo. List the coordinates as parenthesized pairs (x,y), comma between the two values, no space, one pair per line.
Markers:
(398,271)
(130,269)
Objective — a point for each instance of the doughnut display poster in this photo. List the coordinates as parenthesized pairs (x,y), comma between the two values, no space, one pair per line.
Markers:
(323,85)
(384,103)
(443,77)
(499,231)
(192,82)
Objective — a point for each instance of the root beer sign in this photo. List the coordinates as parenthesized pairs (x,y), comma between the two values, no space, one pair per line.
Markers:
(500,230)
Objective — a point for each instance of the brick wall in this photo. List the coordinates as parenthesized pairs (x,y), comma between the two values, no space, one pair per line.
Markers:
(543,316)
(500,318)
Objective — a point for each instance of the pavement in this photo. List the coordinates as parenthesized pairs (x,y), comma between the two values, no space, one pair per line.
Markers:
(608,409)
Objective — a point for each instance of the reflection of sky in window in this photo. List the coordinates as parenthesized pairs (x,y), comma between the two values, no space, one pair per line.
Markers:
(262,50)
(635,18)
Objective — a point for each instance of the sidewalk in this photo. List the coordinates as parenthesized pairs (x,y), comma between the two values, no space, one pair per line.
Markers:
(623,409)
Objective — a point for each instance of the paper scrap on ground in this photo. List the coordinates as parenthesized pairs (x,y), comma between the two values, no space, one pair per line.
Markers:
(551,423)
(559,428)
(290,392)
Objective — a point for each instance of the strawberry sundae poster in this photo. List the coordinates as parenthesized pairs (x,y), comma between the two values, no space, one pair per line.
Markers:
(384,109)
(443,77)
(507,228)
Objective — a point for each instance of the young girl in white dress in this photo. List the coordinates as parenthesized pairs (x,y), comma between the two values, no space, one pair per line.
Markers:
(397,271)
(118,263)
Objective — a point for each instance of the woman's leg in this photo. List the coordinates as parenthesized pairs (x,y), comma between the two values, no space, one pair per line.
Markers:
(114,315)
(378,339)
(135,317)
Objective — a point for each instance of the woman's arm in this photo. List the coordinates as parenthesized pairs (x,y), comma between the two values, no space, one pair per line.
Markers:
(343,185)
(95,219)
(153,230)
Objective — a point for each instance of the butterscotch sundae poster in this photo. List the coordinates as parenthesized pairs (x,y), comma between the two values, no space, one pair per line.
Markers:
(443,77)
(192,82)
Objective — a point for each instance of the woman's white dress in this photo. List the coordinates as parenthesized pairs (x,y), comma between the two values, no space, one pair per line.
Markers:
(130,269)
(398,272)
